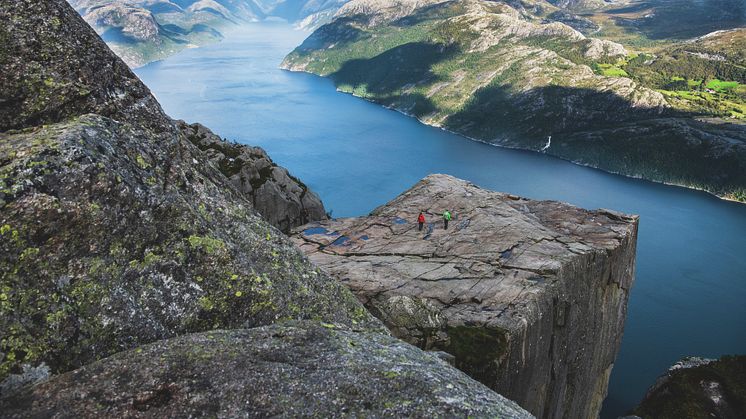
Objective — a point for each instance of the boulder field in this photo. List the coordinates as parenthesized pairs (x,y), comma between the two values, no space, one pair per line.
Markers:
(530,297)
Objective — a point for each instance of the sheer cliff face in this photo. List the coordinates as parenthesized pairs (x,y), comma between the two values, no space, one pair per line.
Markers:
(516,73)
(529,296)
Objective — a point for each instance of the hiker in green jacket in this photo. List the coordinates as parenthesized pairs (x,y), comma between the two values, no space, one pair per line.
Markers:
(446,219)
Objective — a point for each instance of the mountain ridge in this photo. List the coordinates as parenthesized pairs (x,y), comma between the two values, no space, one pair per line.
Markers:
(493,73)
(142,31)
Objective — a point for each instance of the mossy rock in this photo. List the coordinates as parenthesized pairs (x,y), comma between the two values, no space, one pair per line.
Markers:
(114,236)
(298,369)
(696,388)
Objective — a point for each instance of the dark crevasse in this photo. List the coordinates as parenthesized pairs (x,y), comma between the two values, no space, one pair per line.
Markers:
(689,293)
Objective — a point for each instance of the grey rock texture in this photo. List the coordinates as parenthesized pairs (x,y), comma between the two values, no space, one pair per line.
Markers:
(698,388)
(116,230)
(285,370)
(529,296)
(279,197)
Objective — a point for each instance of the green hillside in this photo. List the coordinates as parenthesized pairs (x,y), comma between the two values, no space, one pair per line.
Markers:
(514,78)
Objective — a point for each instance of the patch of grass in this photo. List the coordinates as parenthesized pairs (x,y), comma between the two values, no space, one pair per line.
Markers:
(610,70)
(721,86)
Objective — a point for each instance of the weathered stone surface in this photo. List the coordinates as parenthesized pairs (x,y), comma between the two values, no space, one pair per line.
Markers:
(54,67)
(279,197)
(530,296)
(116,233)
(698,388)
(301,369)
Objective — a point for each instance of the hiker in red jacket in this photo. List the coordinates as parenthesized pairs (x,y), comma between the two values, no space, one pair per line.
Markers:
(421,220)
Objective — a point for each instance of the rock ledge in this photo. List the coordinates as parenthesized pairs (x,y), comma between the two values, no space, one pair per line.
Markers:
(529,296)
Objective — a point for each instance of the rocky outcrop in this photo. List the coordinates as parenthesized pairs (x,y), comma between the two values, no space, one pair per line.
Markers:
(285,370)
(281,199)
(511,73)
(529,296)
(116,230)
(599,49)
(134,22)
(698,388)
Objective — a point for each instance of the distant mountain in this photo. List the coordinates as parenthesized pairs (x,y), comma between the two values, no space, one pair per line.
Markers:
(588,83)
(141,31)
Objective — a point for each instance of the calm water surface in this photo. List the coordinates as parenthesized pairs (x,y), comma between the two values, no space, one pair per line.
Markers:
(690,294)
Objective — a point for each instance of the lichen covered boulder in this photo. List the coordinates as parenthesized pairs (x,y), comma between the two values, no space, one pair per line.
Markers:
(112,237)
(282,199)
(529,296)
(304,369)
(55,67)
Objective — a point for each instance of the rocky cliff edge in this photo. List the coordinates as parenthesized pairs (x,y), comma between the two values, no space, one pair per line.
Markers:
(529,296)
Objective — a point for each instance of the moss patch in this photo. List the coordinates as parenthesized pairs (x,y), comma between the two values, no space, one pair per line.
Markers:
(478,350)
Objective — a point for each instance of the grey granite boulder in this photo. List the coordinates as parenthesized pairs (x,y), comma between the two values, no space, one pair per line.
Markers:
(529,296)
(305,369)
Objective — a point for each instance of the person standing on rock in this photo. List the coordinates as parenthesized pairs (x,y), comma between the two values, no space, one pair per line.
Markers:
(446,219)
(421,220)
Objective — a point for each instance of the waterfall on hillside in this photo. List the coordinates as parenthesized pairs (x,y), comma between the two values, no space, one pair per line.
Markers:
(549,142)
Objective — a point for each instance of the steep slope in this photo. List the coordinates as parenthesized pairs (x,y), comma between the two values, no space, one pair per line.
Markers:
(515,77)
(279,197)
(116,229)
(698,388)
(530,297)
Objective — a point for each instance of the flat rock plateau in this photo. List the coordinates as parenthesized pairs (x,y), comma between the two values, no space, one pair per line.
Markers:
(530,297)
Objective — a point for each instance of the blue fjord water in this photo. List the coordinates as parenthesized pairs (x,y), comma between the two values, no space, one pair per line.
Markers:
(690,293)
